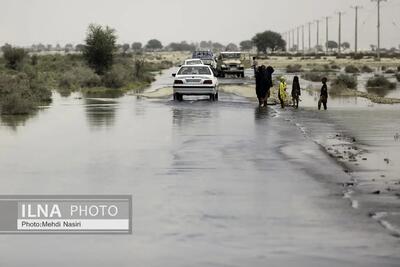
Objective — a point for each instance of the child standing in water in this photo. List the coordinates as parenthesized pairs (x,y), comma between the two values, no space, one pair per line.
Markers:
(282,95)
(323,99)
(296,92)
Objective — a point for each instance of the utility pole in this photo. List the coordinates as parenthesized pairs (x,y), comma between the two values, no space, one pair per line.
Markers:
(379,27)
(302,40)
(298,39)
(356,8)
(293,38)
(340,32)
(327,33)
(317,21)
(309,35)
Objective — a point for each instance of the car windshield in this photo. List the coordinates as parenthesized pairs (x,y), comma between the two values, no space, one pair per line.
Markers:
(193,62)
(194,71)
(231,56)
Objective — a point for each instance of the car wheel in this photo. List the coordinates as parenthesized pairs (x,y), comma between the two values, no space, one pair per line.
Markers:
(212,97)
(216,96)
(242,74)
(178,97)
(222,74)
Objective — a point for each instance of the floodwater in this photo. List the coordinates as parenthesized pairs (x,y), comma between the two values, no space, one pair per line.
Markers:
(213,184)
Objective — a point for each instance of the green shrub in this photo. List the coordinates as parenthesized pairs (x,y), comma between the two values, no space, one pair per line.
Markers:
(381,82)
(15,95)
(346,81)
(335,67)
(390,71)
(14,104)
(119,76)
(100,47)
(313,76)
(398,68)
(358,56)
(398,77)
(351,69)
(366,69)
(14,56)
(296,68)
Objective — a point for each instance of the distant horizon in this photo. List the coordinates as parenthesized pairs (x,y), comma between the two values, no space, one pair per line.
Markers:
(62,22)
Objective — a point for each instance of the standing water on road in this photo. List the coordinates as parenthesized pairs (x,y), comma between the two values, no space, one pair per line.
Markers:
(213,184)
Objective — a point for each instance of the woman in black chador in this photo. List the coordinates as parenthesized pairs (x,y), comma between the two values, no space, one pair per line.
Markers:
(296,92)
(263,84)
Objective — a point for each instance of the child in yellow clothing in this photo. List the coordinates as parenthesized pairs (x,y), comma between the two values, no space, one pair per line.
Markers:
(282,94)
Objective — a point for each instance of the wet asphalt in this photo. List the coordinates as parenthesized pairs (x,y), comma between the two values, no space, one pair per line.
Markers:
(213,184)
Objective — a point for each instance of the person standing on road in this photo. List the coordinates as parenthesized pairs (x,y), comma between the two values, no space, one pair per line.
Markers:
(261,84)
(282,95)
(255,65)
(296,92)
(323,99)
(270,70)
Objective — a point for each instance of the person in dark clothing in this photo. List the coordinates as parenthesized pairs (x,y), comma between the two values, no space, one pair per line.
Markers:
(324,95)
(296,92)
(261,84)
(270,71)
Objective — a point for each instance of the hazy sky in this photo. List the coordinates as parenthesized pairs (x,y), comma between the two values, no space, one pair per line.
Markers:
(23,22)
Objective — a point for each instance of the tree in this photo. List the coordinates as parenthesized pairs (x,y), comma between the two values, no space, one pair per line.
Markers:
(14,56)
(231,47)
(246,45)
(332,45)
(154,44)
(68,48)
(217,46)
(79,47)
(125,48)
(182,46)
(136,46)
(100,47)
(346,45)
(268,40)
(206,45)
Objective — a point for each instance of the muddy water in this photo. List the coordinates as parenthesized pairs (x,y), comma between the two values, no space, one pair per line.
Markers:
(213,184)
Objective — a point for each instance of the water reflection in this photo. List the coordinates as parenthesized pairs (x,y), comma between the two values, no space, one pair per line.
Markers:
(100,113)
(261,114)
(187,115)
(14,121)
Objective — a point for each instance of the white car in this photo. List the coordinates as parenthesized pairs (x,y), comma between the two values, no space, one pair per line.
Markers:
(193,61)
(195,80)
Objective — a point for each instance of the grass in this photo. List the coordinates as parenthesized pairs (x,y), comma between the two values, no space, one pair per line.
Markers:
(313,76)
(380,82)
(296,68)
(351,69)
(346,81)
(366,69)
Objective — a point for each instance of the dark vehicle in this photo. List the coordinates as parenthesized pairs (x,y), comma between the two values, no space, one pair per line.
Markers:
(207,57)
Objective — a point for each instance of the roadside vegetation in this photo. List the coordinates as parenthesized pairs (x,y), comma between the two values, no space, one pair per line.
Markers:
(26,81)
(343,82)
(380,81)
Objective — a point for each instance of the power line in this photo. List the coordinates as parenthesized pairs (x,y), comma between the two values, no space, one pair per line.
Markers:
(378,2)
(340,13)
(356,8)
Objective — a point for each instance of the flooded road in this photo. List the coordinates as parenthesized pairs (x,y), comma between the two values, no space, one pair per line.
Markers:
(213,184)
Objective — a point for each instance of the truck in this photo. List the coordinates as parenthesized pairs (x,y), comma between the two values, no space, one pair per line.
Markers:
(230,63)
